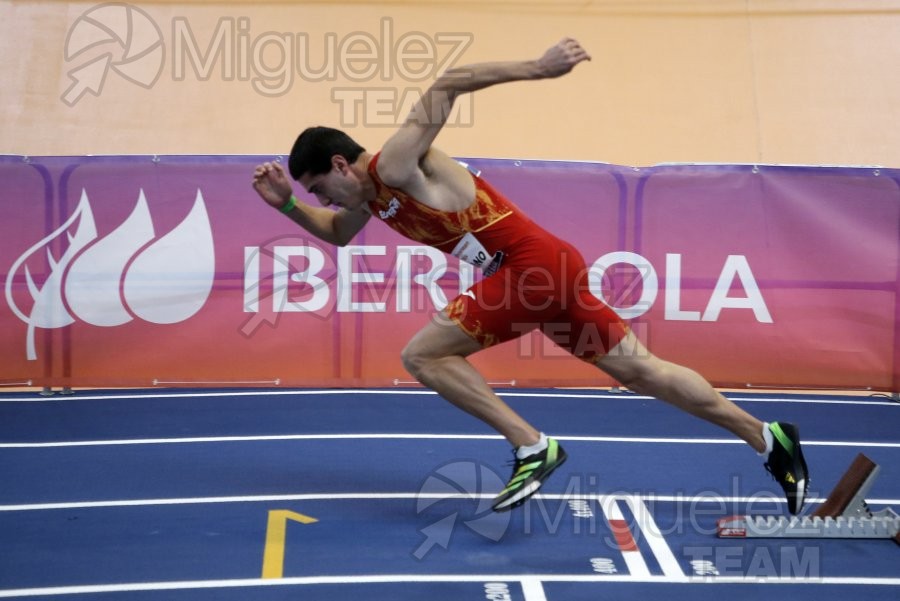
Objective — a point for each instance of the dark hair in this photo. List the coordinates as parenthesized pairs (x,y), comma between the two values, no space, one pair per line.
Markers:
(314,148)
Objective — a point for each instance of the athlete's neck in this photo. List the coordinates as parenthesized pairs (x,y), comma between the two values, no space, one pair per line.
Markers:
(361,168)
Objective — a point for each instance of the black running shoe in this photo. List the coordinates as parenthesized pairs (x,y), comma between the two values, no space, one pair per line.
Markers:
(787,466)
(528,475)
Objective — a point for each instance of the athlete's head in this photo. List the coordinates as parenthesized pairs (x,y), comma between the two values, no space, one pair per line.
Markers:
(322,161)
(315,147)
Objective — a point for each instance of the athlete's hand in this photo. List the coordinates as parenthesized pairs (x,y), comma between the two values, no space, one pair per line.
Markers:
(562,58)
(271,183)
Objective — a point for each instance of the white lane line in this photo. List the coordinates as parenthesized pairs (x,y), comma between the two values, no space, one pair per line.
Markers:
(417,436)
(637,567)
(265,438)
(407,578)
(199,395)
(375,496)
(655,538)
(533,590)
(886,403)
(423,392)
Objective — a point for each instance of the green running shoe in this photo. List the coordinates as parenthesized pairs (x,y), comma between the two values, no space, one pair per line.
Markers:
(528,475)
(787,466)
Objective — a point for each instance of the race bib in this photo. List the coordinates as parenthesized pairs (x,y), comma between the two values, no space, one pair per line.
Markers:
(470,250)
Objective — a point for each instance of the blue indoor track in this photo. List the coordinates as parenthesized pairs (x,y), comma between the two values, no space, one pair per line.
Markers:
(385,495)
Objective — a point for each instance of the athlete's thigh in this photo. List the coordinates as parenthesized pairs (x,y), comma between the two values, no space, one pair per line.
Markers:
(586,326)
(442,337)
(500,308)
(590,333)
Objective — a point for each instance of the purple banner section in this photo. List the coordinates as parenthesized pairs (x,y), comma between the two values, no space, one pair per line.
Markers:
(169,271)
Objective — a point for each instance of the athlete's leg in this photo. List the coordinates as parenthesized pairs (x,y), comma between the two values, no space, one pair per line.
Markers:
(599,336)
(637,369)
(436,357)
(632,365)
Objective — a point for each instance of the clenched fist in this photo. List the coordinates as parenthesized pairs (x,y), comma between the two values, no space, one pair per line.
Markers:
(271,183)
(562,58)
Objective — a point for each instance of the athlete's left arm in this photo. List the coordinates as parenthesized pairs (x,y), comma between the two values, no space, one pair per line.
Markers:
(402,154)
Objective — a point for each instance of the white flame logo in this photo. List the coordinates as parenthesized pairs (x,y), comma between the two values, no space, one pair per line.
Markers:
(126,274)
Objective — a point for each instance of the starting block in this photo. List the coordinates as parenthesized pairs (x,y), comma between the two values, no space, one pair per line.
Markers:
(844,514)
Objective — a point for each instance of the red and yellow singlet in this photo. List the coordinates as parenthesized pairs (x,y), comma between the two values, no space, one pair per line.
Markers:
(533,279)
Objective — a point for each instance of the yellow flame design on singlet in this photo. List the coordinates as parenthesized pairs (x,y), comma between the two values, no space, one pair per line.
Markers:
(441,229)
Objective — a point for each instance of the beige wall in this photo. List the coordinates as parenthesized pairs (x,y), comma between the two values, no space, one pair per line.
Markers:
(789,81)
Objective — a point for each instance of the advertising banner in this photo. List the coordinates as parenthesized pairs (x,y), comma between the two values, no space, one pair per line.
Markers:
(170,271)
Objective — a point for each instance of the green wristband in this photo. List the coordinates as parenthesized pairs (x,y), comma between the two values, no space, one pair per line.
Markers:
(289,205)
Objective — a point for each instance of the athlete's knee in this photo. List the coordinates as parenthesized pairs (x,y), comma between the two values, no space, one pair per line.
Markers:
(643,375)
(418,359)
(414,360)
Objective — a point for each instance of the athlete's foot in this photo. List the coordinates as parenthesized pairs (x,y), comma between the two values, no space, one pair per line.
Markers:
(528,475)
(787,466)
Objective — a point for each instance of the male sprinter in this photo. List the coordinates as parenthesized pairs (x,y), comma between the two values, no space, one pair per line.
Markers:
(530,275)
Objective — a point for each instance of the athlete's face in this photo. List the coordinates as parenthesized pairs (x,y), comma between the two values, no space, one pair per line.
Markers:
(339,187)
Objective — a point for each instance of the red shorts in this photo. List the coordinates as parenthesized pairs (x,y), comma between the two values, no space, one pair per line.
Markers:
(542,283)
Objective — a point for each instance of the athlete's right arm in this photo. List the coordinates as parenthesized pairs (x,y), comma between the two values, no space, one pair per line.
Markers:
(403,153)
(335,227)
